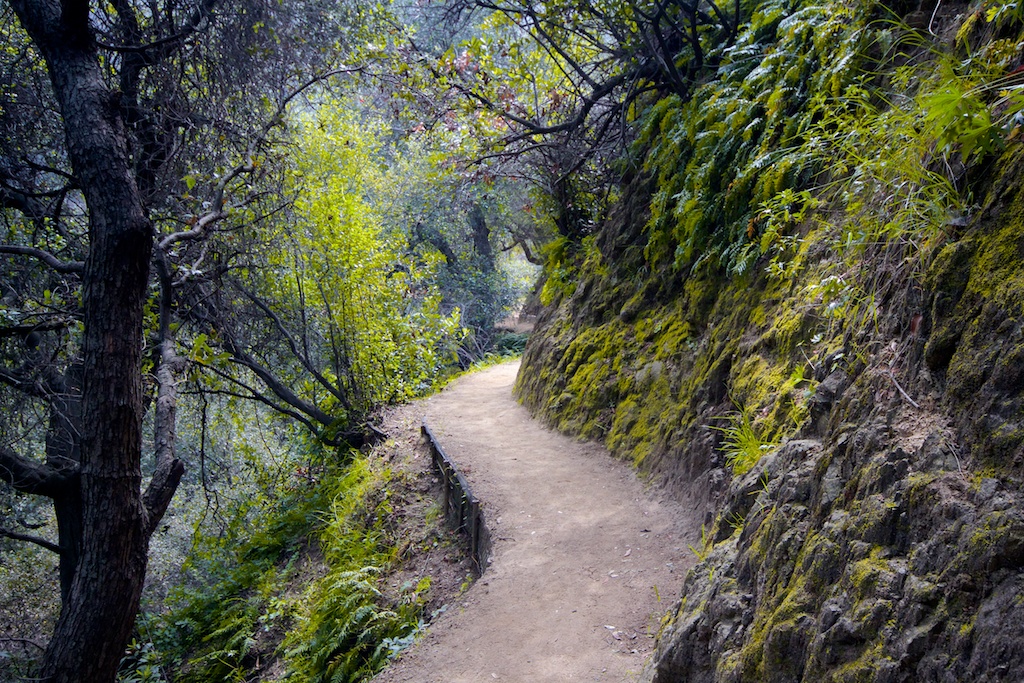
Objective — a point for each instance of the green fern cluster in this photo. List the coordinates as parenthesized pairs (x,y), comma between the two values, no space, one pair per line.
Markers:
(346,632)
(257,597)
(840,100)
(740,140)
(345,629)
(898,153)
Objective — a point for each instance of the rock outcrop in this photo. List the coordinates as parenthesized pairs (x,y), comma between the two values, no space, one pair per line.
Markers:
(880,537)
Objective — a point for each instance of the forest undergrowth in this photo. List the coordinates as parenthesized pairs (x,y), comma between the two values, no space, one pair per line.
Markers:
(325,580)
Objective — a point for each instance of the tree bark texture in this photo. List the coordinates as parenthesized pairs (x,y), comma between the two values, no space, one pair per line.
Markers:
(103,597)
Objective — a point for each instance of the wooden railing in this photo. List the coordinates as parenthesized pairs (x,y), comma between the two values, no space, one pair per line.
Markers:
(461,507)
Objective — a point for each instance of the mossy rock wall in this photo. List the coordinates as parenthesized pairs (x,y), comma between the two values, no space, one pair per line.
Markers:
(881,538)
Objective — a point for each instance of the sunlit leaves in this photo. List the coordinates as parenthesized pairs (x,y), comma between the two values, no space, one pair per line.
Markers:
(368,316)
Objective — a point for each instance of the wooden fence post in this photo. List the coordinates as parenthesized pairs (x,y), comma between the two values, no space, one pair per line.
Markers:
(461,507)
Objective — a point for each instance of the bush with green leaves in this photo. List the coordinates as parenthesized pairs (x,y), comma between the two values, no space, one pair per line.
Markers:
(257,594)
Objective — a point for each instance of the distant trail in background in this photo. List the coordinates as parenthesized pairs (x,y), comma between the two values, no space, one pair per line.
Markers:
(585,560)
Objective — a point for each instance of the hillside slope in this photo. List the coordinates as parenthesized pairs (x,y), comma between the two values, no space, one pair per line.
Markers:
(831,356)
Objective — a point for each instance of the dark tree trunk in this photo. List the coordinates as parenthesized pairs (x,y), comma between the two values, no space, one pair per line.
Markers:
(103,595)
(64,456)
(481,237)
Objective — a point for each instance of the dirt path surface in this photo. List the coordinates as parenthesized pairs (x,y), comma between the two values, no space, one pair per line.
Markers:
(585,559)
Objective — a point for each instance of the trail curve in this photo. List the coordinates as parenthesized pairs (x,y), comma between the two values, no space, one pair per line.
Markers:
(585,558)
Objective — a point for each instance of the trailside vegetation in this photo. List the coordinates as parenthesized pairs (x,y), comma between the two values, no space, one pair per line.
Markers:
(257,599)
(234,229)
(182,230)
(799,311)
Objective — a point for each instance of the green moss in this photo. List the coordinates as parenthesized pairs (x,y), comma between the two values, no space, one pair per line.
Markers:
(751,381)
(777,634)
(820,561)
(790,327)
(966,629)
(759,316)
(729,666)
(872,516)
(866,667)
(652,365)
(978,287)
(996,529)
(865,574)
(919,492)
(995,273)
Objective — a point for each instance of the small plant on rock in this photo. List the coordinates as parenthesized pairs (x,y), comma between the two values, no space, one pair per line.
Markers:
(743,445)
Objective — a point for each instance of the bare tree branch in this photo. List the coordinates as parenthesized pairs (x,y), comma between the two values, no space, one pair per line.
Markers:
(24,202)
(29,476)
(254,394)
(23,641)
(205,222)
(23,382)
(169,469)
(279,388)
(160,47)
(28,538)
(64,267)
(26,329)
(302,357)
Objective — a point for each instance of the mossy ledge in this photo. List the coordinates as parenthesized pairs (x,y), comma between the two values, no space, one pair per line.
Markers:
(883,538)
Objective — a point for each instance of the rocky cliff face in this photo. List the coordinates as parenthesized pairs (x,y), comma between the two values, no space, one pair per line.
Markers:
(861,472)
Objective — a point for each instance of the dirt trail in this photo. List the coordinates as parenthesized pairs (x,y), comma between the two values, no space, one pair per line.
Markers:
(585,559)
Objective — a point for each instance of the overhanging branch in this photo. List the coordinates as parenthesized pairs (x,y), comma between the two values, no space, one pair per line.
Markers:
(302,357)
(64,267)
(28,538)
(29,476)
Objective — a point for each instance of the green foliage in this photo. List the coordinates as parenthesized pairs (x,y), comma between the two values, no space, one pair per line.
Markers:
(141,664)
(704,548)
(370,316)
(1002,12)
(822,146)
(28,602)
(742,444)
(242,598)
(738,142)
(463,222)
(345,634)
(956,117)
(510,344)
(782,215)
(799,106)
(564,261)
(212,628)
(344,629)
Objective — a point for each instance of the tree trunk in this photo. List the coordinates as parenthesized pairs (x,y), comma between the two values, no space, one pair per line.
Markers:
(102,600)
(481,237)
(64,456)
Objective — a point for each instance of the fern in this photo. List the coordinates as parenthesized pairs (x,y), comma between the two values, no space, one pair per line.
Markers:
(342,632)
(341,628)
(739,141)
(343,620)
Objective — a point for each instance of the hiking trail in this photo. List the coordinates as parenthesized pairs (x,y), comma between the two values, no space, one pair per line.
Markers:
(585,561)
